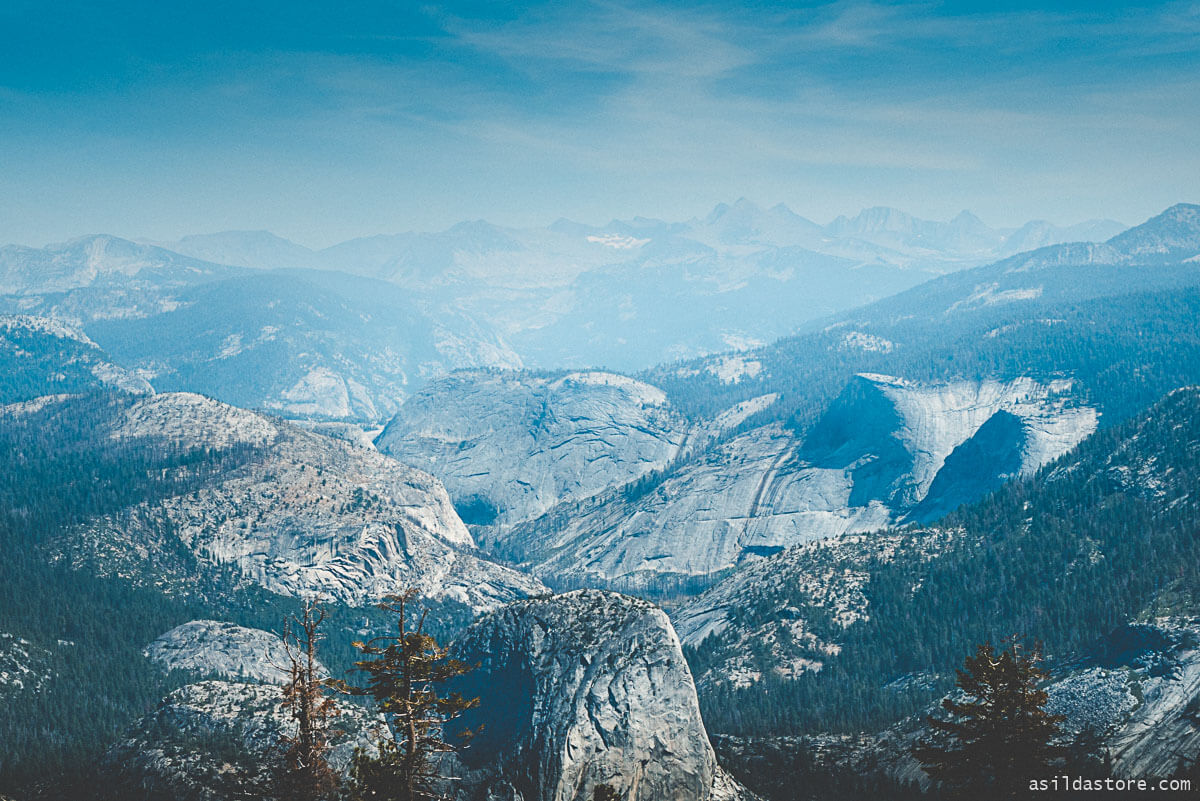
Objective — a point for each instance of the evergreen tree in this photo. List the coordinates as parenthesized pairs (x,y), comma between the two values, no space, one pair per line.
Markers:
(307,775)
(403,676)
(999,735)
(605,792)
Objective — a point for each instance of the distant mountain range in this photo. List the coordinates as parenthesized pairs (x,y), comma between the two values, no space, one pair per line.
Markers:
(350,331)
(636,292)
(884,234)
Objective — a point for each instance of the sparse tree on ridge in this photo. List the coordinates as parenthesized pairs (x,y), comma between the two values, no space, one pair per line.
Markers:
(404,672)
(999,736)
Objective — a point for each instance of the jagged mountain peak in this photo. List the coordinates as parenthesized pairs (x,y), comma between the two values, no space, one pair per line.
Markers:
(1173,235)
(257,235)
(481,236)
(719,211)
(873,220)
(742,207)
(967,221)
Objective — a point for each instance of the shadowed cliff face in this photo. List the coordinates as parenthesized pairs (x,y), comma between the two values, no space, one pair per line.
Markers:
(993,455)
(886,450)
(859,434)
(581,689)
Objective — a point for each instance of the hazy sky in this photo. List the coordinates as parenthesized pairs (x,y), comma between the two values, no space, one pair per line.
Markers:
(324,121)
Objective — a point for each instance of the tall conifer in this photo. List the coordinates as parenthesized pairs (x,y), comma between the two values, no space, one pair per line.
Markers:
(998,734)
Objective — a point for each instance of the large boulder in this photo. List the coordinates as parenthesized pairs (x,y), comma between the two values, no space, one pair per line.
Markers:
(582,689)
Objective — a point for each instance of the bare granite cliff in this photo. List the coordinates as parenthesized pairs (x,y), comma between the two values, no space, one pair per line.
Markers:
(887,451)
(582,689)
(508,446)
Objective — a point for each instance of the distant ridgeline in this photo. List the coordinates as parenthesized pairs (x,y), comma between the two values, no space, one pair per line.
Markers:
(1118,318)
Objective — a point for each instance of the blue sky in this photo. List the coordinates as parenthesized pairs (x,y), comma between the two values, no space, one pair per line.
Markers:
(326,121)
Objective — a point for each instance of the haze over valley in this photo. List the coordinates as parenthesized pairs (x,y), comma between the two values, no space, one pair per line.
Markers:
(265,432)
(599,401)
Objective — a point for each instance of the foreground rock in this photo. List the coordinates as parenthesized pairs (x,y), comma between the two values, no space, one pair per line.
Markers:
(1138,692)
(582,689)
(218,741)
(576,690)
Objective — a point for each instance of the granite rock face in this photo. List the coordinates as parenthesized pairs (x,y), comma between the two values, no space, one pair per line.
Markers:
(1139,692)
(508,446)
(886,451)
(207,648)
(293,511)
(581,689)
(219,741)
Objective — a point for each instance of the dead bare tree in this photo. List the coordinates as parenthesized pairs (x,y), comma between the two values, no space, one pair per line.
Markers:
(307,775)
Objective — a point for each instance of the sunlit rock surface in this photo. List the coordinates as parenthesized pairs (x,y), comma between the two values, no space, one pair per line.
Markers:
(208,648)
(582,689)
(508,446)
(293,511)
(886,451)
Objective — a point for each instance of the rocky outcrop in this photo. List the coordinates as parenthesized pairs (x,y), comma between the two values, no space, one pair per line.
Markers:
(508,446)
(221,740)
(211,648)
(582,689)
(804,599)
(1138,694)
(291,510)
(886,451)
(576,690)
